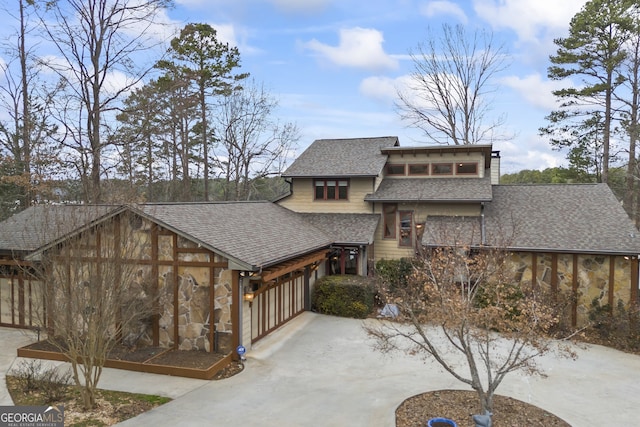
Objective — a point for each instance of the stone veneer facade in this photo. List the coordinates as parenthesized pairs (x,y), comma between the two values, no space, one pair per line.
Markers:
(592,281)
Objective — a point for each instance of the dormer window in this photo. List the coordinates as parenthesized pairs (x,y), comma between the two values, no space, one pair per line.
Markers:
(419,169)
(395,169)
(331,189)
(466,168)
(442,169)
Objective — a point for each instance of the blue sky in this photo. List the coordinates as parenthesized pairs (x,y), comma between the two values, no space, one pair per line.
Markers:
(334,64)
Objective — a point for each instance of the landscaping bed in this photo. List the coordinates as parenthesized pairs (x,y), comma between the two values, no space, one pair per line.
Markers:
(191,364)
(460,405)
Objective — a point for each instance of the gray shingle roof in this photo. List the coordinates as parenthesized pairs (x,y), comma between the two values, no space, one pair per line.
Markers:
(572,218)
(433,190)
(39,225)
(452,231)
(342,157)
(343,229)
(259,234)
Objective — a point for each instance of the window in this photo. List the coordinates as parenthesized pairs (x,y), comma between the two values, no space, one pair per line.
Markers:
(466,168)
(331,189)
(422,169)
(389,220)
(442,169)
(395,169)
(406,226)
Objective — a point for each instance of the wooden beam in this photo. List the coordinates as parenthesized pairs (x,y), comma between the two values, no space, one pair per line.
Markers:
(574,292)
(634,281)
(612,280)
(293,265)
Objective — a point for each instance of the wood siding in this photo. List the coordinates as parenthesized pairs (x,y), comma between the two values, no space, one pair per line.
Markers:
(389,248)
(302,197)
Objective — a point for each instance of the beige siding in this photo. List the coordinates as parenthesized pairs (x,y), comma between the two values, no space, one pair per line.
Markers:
(246,325)
(389,249)
(495,170)
(301,199)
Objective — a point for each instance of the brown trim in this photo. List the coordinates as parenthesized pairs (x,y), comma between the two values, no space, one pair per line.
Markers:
(325,187)
(400,228)
(156,291)
(612,281)
(212,304)
(389,166)
(534,270)
(20,300)
(392,230)
(458,164)
(176,290)
(554,276)
(434,165)
(236,300)
(425,165)
(574,292)
(634,280)
(224,264)
(147,366)
(292,265)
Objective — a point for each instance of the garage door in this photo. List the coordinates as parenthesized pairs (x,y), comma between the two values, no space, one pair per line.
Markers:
(277,303)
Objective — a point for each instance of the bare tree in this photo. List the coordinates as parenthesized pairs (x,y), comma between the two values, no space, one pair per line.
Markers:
(461,307)
(25,138)
(96,294)
(448,96)
(252,144)
(96,40)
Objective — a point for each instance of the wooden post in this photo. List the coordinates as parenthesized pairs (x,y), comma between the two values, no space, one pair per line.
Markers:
(236,300)
(612,279)
(634,281)
(574,292)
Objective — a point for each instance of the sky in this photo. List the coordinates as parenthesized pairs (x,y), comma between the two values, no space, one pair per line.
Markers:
(334,65)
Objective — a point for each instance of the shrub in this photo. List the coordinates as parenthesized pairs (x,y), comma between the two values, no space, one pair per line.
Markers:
(32,376)
(619,327)
(344,296)
(394,272)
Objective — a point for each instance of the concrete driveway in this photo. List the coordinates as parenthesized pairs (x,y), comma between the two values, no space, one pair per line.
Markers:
(321,371)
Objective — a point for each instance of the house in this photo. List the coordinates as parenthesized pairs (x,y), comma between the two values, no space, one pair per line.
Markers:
(227,273)
(232,272)
(571,237)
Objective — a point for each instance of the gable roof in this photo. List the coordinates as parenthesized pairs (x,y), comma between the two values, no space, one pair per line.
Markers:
(345,229)
(452,231)
(252,234)
(583,218)
(40,225)
(433,190)
(342,158)
(573,218)
(255,234)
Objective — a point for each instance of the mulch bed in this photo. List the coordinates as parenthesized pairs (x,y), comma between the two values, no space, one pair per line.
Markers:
(461,405)
(154,355)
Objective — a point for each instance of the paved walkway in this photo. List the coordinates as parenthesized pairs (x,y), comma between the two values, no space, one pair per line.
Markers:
(320,370)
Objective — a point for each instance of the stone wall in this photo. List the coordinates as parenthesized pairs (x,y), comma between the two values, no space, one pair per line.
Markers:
(194,317)
(592,279)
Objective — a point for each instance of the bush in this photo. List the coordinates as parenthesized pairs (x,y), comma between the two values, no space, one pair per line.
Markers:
(344,296)
(394,272)
(619,327)
(31,377)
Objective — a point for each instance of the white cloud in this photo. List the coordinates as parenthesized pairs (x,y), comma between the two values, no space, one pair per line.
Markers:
(300,6)
(529,19)
(435,8)
(358,47)
(536,91)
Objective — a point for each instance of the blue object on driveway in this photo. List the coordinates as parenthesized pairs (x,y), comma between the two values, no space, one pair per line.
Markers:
(441,422)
